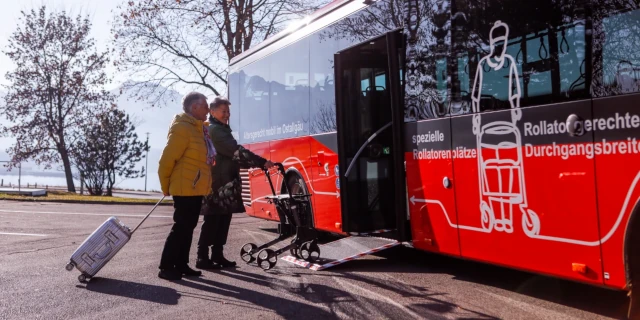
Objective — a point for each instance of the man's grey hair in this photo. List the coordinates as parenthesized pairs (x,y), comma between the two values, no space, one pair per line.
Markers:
(218,101)
(190,99)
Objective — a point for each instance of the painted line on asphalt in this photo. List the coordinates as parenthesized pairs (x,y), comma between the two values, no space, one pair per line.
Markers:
(22,234)
(84,214)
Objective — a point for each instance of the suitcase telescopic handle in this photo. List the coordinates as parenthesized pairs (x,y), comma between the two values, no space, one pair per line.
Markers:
(148,214)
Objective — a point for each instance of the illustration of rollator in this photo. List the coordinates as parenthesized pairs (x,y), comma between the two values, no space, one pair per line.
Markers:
(499,145)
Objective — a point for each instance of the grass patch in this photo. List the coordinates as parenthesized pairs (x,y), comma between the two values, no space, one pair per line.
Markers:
(61,196)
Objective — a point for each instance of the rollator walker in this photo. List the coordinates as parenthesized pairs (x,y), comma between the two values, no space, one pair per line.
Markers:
(291,209)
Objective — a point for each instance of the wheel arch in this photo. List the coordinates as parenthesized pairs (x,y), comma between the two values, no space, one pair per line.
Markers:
(631,244)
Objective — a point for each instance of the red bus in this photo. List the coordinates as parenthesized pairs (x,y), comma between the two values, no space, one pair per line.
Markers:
(499,131)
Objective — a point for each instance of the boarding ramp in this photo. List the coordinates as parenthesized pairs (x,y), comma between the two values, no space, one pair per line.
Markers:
(344,250)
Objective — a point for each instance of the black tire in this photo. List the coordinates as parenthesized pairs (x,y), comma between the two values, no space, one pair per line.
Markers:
(297,186)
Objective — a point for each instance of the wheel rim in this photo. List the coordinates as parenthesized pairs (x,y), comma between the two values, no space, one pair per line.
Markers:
(245,252)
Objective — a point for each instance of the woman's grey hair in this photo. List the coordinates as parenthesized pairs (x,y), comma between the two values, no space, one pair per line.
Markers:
(190,99)
(218,101)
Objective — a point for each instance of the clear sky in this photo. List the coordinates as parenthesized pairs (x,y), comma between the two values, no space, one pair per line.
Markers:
(100,12)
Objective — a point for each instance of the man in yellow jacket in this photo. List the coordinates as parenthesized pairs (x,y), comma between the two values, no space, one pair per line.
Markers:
(184,173)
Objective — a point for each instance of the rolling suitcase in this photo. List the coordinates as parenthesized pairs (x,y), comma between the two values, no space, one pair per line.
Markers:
(102,245)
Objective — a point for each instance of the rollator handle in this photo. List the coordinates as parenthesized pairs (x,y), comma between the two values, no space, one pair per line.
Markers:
(280,167)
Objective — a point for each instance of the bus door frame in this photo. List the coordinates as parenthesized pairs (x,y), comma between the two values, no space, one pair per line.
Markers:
(395,55)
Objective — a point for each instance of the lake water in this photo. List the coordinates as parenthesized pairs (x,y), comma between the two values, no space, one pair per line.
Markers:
(42,181)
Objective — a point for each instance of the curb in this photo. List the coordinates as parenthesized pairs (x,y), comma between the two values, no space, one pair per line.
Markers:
(92,202)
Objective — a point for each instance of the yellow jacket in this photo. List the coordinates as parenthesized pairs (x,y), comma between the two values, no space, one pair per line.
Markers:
(183,168)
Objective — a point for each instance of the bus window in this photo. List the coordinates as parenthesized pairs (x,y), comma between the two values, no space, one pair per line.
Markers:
(376,19)
(381,83)
(617,63)
(289,100)
(427,83)
(254,101)
(501,56)
(322,46)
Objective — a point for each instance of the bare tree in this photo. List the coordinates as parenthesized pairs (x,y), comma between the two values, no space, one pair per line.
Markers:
(190,42)
(109,150)
(57,83)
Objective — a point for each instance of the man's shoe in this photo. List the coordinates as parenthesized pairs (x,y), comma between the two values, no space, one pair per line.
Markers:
(187,271)
(170,274)
(207,264)
(222,261)
(218,257)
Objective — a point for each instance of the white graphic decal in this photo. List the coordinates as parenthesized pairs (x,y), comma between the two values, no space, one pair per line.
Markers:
(616,225)
(500,168)
(446,215)
(287,162)
(309,180)
(501,178)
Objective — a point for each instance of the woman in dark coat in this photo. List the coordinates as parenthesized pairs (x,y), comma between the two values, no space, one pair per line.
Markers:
(226,197)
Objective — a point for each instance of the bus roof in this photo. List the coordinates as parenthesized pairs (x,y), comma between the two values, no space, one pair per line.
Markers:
(301,28)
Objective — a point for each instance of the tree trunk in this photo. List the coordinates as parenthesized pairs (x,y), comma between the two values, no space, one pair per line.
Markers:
(67,170)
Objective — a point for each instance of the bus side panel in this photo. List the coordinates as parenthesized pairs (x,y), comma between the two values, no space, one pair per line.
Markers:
(325,182)
(431,204)
(616,125)
(526,196)
(260,186)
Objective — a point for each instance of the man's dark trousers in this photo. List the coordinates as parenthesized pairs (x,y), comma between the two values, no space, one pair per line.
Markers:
(215,230)
(178,244)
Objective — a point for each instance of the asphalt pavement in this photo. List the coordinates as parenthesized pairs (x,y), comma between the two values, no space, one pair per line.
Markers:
(37,239)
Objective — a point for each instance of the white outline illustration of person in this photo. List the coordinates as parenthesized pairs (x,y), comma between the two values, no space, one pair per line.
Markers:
(501,179)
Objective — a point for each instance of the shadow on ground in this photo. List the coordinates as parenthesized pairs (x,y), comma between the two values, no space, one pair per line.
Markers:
(340,302)
(580,296)
(281,305)
(134,290)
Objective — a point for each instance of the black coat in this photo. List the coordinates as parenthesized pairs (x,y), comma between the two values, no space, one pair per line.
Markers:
(226,196)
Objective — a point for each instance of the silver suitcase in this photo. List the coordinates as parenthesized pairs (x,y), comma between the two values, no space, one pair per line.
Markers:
(102,245)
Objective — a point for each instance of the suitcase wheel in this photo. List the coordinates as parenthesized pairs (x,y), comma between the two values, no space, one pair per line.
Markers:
(70,266)
(84,278)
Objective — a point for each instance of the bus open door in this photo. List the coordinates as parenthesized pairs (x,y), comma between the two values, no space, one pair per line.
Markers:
(370,117)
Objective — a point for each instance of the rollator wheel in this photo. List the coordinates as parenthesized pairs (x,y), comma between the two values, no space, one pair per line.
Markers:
(267,259)
(310,251)
(247,251)
(69,266)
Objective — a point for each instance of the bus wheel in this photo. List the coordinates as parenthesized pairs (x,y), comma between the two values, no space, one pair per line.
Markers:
(297,186)
(633,265)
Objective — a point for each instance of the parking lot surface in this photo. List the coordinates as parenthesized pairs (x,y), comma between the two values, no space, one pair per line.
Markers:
(37,239)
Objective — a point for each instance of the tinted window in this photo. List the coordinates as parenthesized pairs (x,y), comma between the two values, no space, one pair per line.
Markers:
(254,102)
(427,60)
(375,20)
(290,91)
(616,44)
(502,60)
(323,103)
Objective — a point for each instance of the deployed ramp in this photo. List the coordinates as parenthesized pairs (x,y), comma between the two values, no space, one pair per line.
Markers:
(344,250)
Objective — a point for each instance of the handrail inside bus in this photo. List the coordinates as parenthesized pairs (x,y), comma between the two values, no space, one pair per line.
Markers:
(366,143)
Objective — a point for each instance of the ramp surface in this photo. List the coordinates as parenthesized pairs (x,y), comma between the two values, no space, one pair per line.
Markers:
(344,250)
